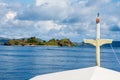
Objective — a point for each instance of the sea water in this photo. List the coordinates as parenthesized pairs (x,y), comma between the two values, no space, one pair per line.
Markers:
(25,62)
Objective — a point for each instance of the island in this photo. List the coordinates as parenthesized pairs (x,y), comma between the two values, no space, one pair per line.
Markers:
(33,41)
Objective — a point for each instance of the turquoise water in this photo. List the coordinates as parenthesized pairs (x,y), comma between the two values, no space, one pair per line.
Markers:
(23,63)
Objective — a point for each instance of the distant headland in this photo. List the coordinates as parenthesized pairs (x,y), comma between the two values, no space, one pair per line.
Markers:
(33,41)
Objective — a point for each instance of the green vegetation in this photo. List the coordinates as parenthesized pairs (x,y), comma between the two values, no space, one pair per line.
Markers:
(33,41)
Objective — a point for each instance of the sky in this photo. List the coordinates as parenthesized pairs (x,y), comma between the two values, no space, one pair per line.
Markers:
(47,19)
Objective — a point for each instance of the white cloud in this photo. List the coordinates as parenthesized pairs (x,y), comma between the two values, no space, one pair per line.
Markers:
(53,9)
(47,19)
(11,15)
(52,2)
(3,4)
(48,25)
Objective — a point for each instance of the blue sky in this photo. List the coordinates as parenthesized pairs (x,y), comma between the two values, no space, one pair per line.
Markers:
(20,1)
(46,19)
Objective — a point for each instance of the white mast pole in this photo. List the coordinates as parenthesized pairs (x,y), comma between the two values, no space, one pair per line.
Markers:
(98,27)
(98,42)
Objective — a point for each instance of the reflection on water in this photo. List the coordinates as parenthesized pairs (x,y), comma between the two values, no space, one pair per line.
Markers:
(22,63)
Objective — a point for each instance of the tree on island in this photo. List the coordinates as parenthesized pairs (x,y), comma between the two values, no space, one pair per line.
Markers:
(33,41)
